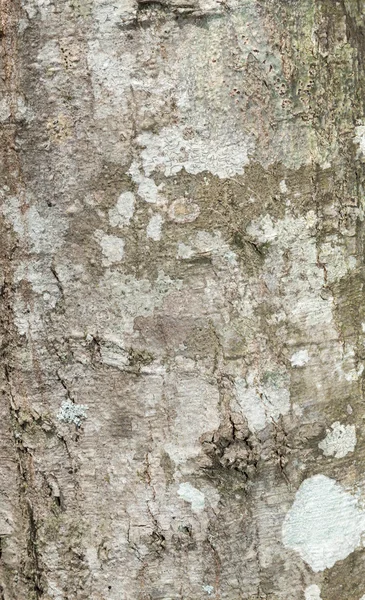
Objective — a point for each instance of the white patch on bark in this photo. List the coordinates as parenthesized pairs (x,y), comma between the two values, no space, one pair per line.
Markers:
(123,211)
(154,227)
(324,524)
(190,494)
(112,248)
(312,592)
(262,402)
(5,111)
(360,138)
(300,287)
(72,413)
(224,153)
(44,229)
(147,189)
(184,251)
(283,187)
(209,589)
(111,16)
(41,278)
(334,257)
(299,358)
(339,441)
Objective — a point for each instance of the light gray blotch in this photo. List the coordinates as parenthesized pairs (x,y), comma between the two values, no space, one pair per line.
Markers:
(209,589)
(324,524)
(123,211)
(191,494)
(154,227)
(312,592)
(339,441)
(72,413)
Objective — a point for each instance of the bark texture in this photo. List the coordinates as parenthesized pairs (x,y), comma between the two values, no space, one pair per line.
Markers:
(182,300)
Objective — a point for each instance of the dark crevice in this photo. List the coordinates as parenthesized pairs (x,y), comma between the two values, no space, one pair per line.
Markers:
(33,552)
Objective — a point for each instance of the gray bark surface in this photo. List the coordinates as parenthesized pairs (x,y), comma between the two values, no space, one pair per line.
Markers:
(182,320)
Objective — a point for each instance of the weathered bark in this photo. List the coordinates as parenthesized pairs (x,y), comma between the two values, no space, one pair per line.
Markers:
(182,312)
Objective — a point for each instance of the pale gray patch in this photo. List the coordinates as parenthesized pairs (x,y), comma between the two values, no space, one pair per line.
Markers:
(191,494)
(324,524)
(283,186)
(184,251)
(299,358)
(360,138)
(5,111)
(123,211)
(312,592)
(72,413)
(112,247)
(43,228)
(154,227)
(209,589)
(334,255)
(262,402)
(222,153)
(339,441)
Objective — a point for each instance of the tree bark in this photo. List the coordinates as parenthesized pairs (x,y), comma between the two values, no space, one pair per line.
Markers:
(182,300)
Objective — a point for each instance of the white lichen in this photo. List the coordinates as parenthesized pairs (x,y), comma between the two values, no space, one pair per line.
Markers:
(154,227)
(123,211)
(339,441)
(283,186)
(300,286)
(43,229)
(223,153)
(147,189)
(5,111)
(336,259)
(262,402)
(209,589)
(299,358)
(184,251)
(360,138)
(190,494)
(112,247)
(324,524)
(312,592)
(72,413)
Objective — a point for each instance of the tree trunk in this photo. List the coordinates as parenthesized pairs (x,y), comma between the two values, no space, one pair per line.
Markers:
(182,308)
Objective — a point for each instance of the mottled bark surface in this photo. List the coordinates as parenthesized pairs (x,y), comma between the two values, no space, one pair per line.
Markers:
(182,309)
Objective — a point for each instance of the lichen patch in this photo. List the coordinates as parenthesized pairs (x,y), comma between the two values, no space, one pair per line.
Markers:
(312,592)
(261,402)
(154,227)
(324,524)
(339,441)
(112,248)
(191,494)
(123,211)
(300,358)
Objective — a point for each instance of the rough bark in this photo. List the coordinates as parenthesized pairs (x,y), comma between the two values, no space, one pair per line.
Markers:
(182,307)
